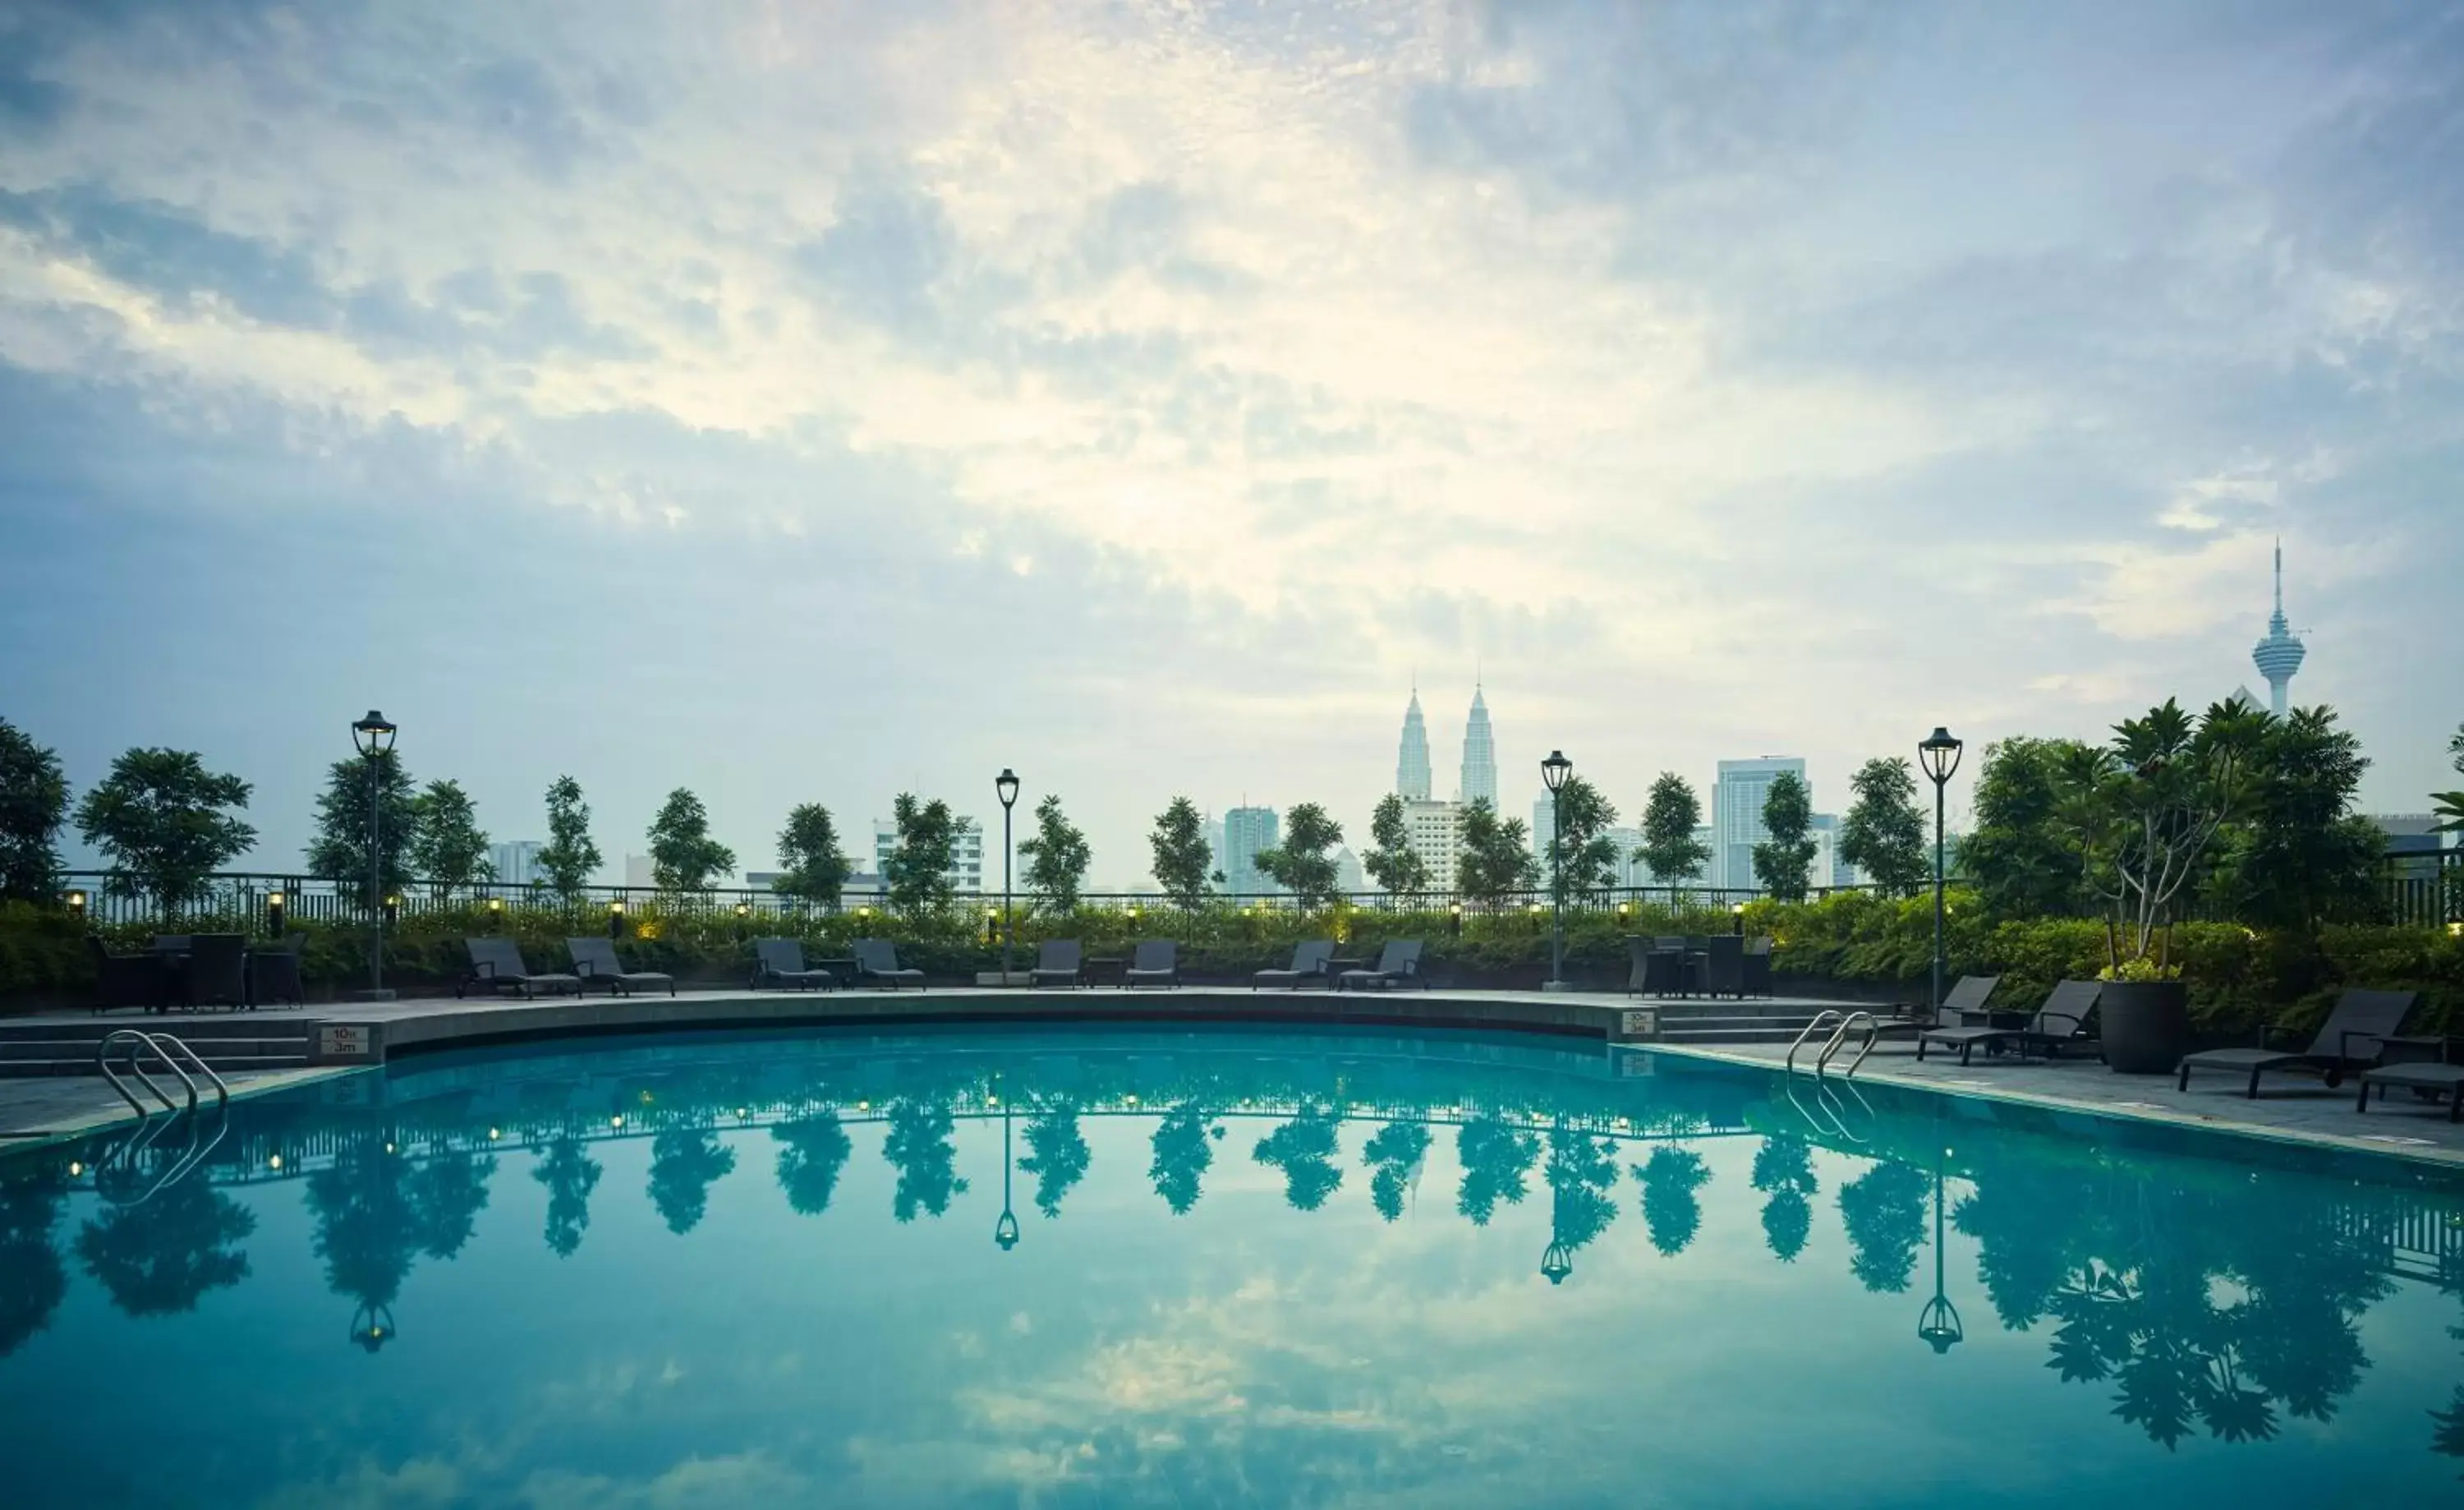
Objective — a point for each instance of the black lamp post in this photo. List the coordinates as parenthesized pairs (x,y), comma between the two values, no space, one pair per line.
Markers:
(1006,787)
(1939,1323)
(1554,773)
(373,736)
(1005,1230)
(1940,754)
(371,1326)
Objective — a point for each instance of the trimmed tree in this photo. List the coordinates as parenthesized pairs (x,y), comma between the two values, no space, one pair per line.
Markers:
(1884,835)
(683,855)
(1301,864)
(1496,859)
(337,848)
(1057,857)
(1669,819)
(1182,859)
(166,823)
(1583,858)
(569,858)
(918,870)
(1391,860)
(448,847)
(2019,855)
(33,802)
(1781,862)
(808,847)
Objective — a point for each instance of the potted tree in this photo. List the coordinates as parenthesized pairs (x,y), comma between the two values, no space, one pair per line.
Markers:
(2144,810)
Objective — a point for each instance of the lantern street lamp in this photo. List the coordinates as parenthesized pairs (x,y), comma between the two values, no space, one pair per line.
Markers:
(1005,1230)
(1940,754)
(1553,773)
(1006,787)
(1939,1323)
(373,736)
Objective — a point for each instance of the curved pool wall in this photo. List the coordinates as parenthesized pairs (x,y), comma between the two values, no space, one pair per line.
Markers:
(1248,1265)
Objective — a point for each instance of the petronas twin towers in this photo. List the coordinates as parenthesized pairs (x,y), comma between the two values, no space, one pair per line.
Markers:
(1413,775)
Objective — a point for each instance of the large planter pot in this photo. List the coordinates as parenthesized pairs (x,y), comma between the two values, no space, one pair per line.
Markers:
(2146,1026)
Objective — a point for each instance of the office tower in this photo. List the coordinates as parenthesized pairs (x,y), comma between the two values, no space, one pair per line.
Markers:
(1247,830)
(1737,816)
(1436,830)
(966,872)
(516,862)
(1412,760)
(2279,656)
(1479,753)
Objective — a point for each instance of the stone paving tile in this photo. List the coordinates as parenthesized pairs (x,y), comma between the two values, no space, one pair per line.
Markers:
(38,1108)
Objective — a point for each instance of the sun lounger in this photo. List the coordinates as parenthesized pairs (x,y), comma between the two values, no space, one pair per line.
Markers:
(1058,961)
(2061,1020)
(1398,963)
(781,962)
(595,961)
(1157,962)
(1309,964)
(2348,1040)
(2417,1077)
(496,963)
(876,961)
(1966,999)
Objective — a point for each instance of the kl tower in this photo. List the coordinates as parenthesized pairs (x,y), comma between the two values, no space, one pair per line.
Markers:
(2279,656)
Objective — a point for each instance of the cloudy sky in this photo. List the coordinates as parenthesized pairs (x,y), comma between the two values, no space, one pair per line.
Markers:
(815,401)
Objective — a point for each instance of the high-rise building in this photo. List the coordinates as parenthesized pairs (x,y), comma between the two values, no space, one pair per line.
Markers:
(1479,753)
(1412,760)
(1247,830)
(516,862)
(1737,815)
(1436,830)
(1645,876)
(1215,846)
(641,870)
(2280,654)
(966,872)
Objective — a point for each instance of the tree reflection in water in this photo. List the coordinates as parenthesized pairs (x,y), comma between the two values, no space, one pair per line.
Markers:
(812,1152)
(375,1208)
(163,1254)
(1056,1154)
(31,1277)
(1784,1171)
(918,1146)
(685,1163)
(1581,1171)
(1495,1156)
(1183,1152)
(1883,1211)
(1304,1149)
(1393,1156)
(570,1174)
(1672,1211)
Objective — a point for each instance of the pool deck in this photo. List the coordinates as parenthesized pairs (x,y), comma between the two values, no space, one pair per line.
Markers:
(2291,1107)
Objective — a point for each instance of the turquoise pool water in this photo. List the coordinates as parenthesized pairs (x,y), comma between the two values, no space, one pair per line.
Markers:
(1268,1268)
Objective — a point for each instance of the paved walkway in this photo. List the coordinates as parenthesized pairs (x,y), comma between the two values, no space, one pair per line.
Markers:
(35,1109)
(2295,1107)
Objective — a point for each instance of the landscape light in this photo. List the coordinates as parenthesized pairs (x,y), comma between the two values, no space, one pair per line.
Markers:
(373,738)
(1939,752)
(1005,788)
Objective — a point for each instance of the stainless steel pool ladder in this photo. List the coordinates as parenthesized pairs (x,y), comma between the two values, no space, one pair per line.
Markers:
(1840,1024)
(167,1047)
(130,1155)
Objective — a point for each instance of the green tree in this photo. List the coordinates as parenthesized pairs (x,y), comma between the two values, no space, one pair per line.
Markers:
(1496,859)
(1304,1149)
(1391,860)
(809,847)
(570,1174)
(337,847)
(1884,835)
(812,1152)
(1182,860)
(685,1163)
(683,855)
(918,869)
(1883,1211)
(2018,857)
(1183,1151)
(569,857)
(160,1257)
(448,847)
(1781,862)
(1581,1170)
(1496,1156)
(33,801)
(1670,816)
(166,823)
(1579,836)
(2298,856)
(1672,1209)
(1784,1172)
(1301,864)
(918,1146)
(2449,804)
(1057,1154)
(1057,857)
(2145,811)
(1394,1154)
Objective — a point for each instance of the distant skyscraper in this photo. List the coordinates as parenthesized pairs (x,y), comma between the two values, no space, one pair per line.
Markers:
(1247,830)
(1479,753)
(1411,761)
(2279,656)
(1737,816)
(516,862)
(966,872)
(1436,830)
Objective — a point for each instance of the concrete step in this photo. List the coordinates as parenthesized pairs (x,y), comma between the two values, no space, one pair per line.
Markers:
(83,1064)
(193,1027)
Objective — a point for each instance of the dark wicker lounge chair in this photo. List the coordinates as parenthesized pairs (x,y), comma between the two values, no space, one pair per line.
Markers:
(2061,1020)
(594,960)
(1156,961)
(126,980)
(496,963)
(217,971)
(2420,1076)
(274,972)
(1059,962)
(1398,963)
(2350,1039)
(1309,964)
(781,962)
(1724,968)
(1758,965)
(876,963)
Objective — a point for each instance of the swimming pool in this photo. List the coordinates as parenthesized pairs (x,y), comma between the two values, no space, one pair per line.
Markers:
(1112,1266)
